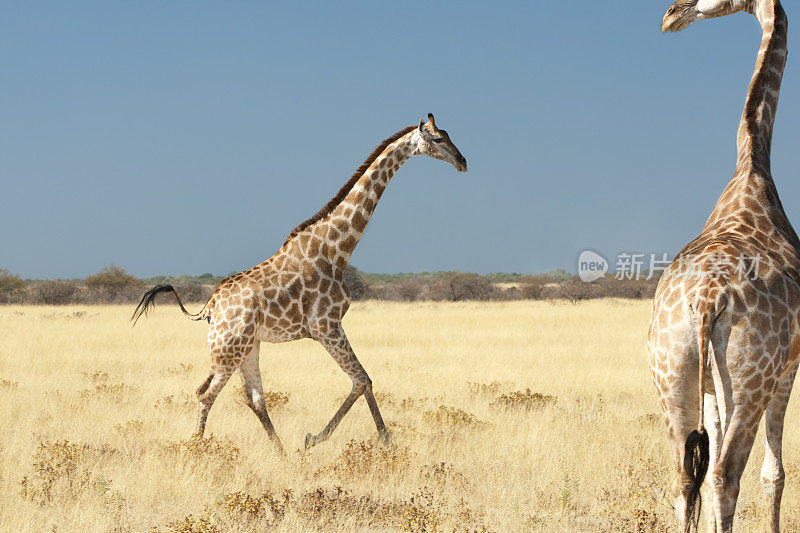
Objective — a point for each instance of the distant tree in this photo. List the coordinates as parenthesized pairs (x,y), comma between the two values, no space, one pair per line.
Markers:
(113,283)
(407,290)
(531,287)
(470,287)
(10,282)
(207,275)
(355,283)
(12,287)
(56,291)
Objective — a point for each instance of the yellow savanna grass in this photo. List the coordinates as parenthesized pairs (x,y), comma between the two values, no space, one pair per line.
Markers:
(505,416)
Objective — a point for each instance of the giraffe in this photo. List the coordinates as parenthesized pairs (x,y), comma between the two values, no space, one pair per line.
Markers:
(299,292)
(723,336)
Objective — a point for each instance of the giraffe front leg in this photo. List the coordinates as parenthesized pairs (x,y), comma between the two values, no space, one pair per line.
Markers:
(335,341)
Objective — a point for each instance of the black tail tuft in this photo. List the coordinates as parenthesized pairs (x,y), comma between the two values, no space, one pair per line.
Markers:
(695,463)
(148,301)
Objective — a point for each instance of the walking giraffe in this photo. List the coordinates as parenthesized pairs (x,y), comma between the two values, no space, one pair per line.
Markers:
(299,292)
(725,314)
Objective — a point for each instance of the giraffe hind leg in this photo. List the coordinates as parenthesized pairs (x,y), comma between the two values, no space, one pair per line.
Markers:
(772,472)
(224,361)
(254,395)
(206,395)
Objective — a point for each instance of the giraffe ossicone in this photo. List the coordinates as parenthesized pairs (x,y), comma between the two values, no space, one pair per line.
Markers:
(299,292)
(724,341)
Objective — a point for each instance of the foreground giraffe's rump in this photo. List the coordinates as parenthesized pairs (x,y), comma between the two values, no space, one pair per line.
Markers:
(723,335)
(299,292)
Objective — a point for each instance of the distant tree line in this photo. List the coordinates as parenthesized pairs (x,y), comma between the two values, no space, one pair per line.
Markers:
(113,285)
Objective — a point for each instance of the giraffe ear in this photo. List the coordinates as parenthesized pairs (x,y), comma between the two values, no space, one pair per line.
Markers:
(432,121)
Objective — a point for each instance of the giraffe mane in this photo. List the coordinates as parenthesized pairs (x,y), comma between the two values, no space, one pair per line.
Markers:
(328,208)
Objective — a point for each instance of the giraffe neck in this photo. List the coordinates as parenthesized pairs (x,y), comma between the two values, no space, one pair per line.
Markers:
(752,191)
(343,228)
(755,129)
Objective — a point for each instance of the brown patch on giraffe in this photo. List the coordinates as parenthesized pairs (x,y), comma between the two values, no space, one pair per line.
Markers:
(359,222)
(309,298)
(348,244)
(342,194)
(324,285)
(324,266)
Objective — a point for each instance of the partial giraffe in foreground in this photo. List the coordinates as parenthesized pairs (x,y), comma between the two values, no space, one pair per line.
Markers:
(299,292)
(724,339)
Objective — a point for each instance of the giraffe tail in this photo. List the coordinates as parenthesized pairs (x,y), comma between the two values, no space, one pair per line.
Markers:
(696,456)
(148,301)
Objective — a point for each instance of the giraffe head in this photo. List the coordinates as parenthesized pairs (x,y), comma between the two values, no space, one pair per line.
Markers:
(683,12)
(436,143)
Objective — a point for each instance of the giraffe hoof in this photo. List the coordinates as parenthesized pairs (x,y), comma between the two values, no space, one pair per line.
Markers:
(386,440)
(309,441)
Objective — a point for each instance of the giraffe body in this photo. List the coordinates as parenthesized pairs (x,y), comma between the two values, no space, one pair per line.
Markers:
(725,329)
(299,292)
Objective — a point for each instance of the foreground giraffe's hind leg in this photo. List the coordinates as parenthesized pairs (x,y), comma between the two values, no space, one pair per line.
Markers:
(772,473)
(206,394)
(727,472)
(224,360)
(714,430)
(254,395)
(335,341)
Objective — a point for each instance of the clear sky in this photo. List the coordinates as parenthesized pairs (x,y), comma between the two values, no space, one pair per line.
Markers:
(191,137)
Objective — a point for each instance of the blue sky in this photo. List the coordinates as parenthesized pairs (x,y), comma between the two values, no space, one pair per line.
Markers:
(191,137)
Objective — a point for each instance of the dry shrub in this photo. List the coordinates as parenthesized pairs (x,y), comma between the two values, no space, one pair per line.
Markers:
(130,428)
(453,417)
(641,498)
(98,376)
(368,458)
(650,420)
(272,399)
(589,409)
(485,389)
(177,370)
(324,508)
(60,468)
(445,476)
(118,393)
(68,316)
(200,450)
(265,508)
(412,404)
(190,524)
(184,402)
(8,385)
(55,292)
(275,399)
(526,400)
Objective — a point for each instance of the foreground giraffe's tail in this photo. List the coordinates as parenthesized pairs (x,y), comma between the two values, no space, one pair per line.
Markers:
(696,456)
(148,301)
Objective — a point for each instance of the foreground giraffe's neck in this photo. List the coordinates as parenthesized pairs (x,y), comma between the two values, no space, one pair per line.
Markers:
(341,224)
(755,129)
(752,191)
(347,221)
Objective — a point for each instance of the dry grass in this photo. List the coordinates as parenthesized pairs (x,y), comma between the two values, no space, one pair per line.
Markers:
(506,417)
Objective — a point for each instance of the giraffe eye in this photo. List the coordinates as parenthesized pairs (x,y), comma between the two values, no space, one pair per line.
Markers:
(437,139)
